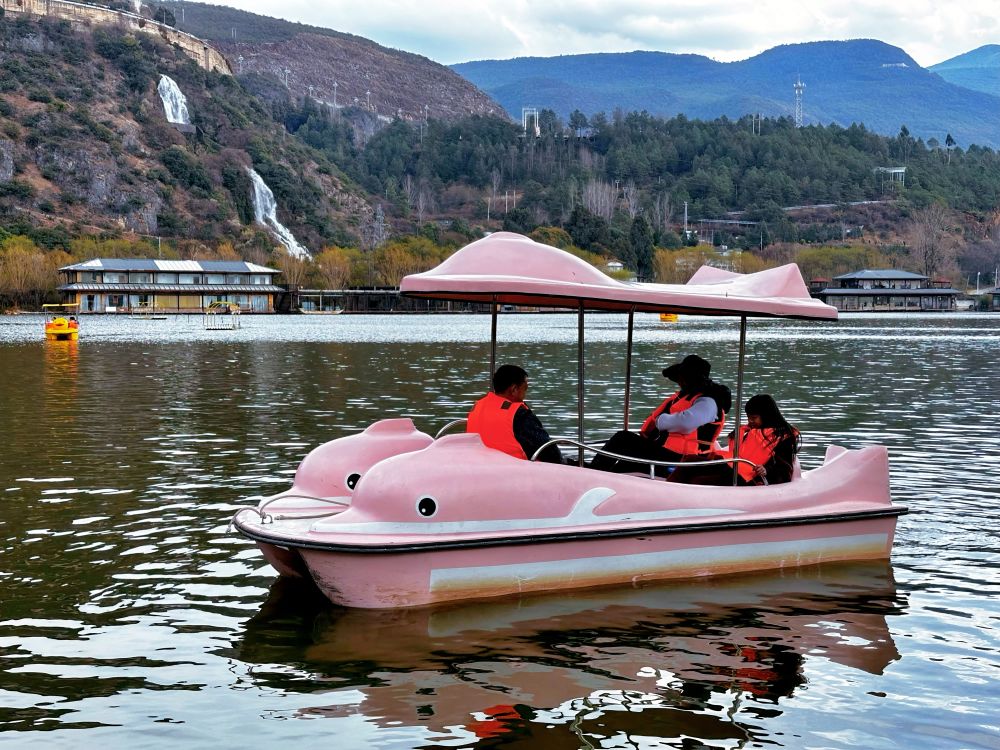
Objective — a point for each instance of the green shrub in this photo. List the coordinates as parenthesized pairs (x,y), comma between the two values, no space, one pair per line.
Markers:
(236,180)
(17,189)
(187,170)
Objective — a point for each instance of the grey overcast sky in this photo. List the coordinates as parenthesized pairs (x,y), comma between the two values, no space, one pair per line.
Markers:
(451,31)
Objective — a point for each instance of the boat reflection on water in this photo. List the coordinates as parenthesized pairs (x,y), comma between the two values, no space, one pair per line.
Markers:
(687,655)
(61,377)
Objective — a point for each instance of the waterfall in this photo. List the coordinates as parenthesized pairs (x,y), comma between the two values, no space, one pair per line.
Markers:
(174,101)
(264,208)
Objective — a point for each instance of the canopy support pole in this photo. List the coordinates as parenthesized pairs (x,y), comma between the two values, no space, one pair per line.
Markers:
(493,342)
(739,394)
(579,384)
(628,364)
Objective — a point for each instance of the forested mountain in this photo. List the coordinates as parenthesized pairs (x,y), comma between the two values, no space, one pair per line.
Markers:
(640,165)
(978,69)
(860,81)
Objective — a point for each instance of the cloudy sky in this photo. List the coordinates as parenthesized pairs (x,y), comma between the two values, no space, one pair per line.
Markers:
(451,31)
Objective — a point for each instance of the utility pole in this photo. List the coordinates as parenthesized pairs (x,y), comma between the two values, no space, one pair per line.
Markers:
(287,71)
(240,61)
(334,94)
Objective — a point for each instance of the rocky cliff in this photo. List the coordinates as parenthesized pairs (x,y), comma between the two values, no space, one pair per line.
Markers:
(332,65)
(85,145)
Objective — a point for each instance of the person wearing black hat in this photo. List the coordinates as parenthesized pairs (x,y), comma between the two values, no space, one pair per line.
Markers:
(505,422)
(683,428)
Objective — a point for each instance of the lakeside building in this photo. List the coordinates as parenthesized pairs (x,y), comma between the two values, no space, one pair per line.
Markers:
(374,300)
(995,300)
(886,290)
(113,285)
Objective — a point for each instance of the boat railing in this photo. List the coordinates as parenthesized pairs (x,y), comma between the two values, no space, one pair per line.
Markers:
(448,427)
(652,463)
(341,504)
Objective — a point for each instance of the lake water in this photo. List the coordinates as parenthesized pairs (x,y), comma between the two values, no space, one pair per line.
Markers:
(130,617)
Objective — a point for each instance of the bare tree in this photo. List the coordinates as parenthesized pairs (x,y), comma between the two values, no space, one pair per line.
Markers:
(293,269)
(599,198)
(630,199)
(392,263)
(334,266)
(24,274)
(663,212)
(495,177)
(425,201)
(410,190)
(932,242)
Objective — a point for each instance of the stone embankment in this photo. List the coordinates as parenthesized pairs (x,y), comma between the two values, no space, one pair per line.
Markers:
(81,14)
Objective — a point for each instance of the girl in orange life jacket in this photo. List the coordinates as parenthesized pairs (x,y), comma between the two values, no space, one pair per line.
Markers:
(504,422)
(767,439)
(684,426)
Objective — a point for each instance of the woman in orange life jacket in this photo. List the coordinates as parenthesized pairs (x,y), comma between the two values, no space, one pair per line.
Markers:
(766,439)
(684,426)
(504,422)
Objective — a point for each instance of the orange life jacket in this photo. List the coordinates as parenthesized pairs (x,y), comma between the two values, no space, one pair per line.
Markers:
(699,441)
(493,418)
(755,445)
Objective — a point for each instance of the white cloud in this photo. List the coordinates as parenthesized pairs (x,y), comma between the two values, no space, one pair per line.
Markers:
(450,32)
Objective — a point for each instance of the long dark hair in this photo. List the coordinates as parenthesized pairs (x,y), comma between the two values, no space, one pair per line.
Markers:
(770,416)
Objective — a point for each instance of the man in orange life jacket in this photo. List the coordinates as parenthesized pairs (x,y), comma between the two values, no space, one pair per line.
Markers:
(505,422)
(684,427)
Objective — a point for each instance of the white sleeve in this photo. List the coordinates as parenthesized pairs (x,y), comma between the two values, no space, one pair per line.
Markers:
(702,411)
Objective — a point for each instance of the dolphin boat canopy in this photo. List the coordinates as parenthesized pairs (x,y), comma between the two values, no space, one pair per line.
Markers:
(392,517)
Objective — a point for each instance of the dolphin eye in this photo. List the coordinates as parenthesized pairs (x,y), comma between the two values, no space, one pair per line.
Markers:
(352,481)
(427,506)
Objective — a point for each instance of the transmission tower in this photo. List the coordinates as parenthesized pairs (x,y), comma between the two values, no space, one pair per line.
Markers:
(530,115)
(799,88)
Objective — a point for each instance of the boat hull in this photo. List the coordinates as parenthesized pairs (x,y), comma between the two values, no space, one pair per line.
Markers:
(383,578)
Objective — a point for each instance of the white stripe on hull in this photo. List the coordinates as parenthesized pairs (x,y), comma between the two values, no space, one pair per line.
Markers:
(679,563)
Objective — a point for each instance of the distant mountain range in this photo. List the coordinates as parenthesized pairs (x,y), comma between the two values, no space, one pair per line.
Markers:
(978,69)
(864,81)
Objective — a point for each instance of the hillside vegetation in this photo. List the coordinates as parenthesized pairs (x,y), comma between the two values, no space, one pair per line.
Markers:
(85,146)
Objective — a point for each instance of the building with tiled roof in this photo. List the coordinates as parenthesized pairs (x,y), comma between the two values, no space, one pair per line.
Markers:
(887,290)
(112,285)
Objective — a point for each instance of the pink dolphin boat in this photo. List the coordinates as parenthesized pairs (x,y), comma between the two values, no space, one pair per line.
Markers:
(392,517)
